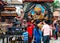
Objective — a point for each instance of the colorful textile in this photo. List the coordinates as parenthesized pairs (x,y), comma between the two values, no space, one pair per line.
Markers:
(30,29)
(37,35)
(38,6)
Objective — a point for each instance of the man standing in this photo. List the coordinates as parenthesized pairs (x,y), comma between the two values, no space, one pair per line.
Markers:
(46,32)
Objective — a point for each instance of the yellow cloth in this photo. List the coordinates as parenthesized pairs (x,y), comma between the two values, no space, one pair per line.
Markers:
(38,16)
(37,9)
(41,16)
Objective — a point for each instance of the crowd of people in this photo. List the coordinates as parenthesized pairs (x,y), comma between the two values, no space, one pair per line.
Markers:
(37,30)
(33,31)
(34,28)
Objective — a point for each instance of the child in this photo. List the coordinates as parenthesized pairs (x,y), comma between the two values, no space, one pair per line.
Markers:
(25,36)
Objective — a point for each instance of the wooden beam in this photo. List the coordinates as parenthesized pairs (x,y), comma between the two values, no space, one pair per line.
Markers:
(38,0)
(9,8)
(7,14)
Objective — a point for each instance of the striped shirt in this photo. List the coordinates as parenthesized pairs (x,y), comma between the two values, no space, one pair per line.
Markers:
(25,36)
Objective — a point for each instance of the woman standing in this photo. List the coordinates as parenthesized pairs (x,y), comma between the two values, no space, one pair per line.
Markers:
(37,34)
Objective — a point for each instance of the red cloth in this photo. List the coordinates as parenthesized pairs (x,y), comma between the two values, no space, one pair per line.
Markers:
(54,36)
(38,0)
(0,20)
(30,29)
(29,23)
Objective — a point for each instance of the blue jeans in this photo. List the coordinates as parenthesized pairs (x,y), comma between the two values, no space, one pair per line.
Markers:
(46,39)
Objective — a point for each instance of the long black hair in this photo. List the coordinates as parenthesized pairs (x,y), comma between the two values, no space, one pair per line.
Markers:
(37,22)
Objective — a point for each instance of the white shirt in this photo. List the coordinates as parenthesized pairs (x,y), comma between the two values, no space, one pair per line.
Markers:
(51,30)
(46,30)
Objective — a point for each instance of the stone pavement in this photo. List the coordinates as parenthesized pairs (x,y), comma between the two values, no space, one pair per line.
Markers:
(51,41)
(55,41)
